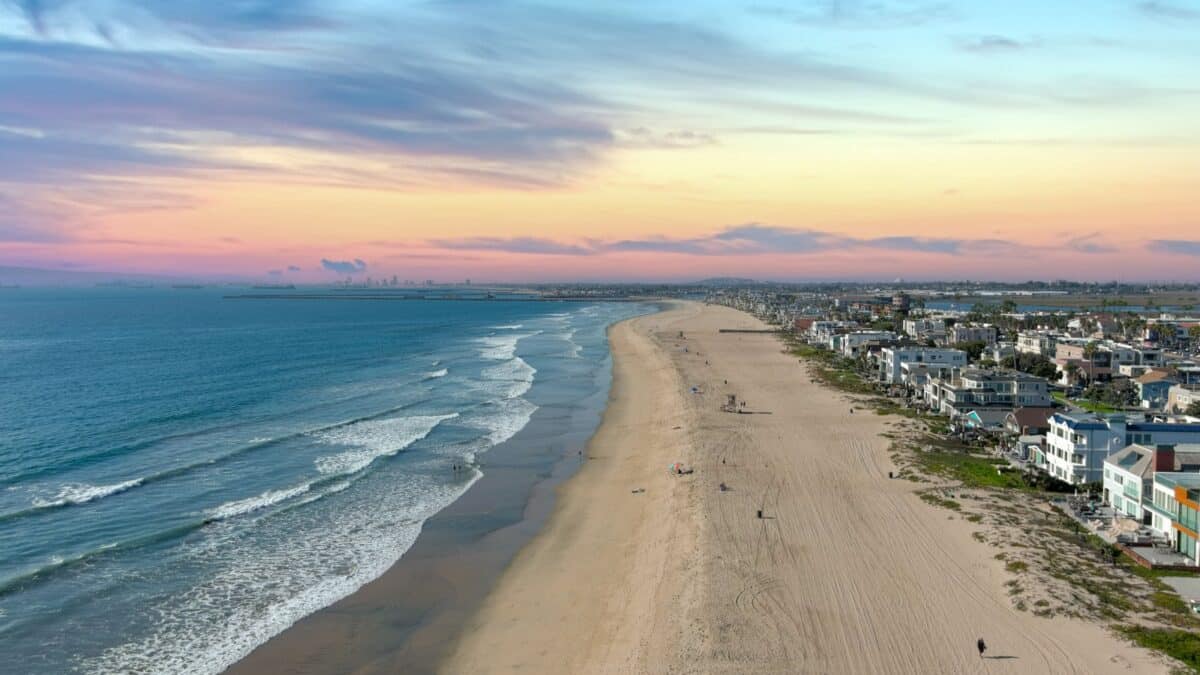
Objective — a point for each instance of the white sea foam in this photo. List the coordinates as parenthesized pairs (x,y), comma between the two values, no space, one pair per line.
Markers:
(509,417)
(202,632)
(515,375)
(437,373)
(81,493)
(373,439)
(514,326)
(575,348)
(502,347)
(250,504)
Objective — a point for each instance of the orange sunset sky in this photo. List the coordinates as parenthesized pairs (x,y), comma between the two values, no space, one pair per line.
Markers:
(524,141)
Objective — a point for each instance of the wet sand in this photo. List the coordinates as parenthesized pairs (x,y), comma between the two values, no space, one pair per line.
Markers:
(847,572)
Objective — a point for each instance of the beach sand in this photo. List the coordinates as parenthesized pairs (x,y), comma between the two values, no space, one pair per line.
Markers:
(848,572)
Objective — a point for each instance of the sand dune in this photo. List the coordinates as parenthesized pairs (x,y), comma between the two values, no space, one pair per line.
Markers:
(849,572)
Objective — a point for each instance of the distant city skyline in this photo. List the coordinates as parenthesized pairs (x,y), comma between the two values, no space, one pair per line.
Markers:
(606,141)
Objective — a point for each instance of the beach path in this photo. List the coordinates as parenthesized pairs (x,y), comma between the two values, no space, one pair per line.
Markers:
(847,572)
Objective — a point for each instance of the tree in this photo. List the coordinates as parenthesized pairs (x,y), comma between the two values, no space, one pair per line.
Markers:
(973,349)
(1072,370)
(1194,334)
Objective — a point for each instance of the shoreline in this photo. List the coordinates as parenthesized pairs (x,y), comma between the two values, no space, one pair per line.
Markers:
(407,618)
(845,571)
(574,595)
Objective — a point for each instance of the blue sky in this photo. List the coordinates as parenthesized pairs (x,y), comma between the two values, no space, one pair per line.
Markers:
(110,109)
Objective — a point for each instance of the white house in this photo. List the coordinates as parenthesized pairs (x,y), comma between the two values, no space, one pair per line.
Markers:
(974,389)
(1129,476)
(1037,342)
(1078,443)
(850,344)
(986,334)
(893,360)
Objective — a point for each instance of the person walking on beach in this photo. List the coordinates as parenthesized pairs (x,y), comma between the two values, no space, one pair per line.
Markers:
(982,646)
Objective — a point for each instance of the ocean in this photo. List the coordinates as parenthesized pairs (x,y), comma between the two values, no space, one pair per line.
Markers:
(183,476)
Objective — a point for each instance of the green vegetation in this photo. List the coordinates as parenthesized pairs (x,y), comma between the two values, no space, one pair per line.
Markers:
(1116,394)
(831,369)
(1179,644)
(1091,406)
(972,471)
(1016,566)
(1034,364)
(932,497)
(973,349)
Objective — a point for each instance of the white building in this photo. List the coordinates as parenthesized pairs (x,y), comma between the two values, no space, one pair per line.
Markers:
(925,328)
(893,359)
(851,344)
(974,389)
(986,334)
(1129,477)
(1078,443)
(1037,342)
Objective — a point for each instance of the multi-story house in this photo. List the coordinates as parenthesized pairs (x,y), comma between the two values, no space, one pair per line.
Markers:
(925,329)
(1078,443)
(1037,342)
(993,391)
(962,333)
(1091,362)
(1129,476)
(852,344)
(935,361)
(1175,510)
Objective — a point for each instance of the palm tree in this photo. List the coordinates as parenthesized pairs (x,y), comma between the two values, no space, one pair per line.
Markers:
(1089,352)
(1072,370)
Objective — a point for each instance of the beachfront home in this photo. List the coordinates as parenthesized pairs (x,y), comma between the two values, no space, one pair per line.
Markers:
(821,331)
(852,344)
(1129,476)
(935,361)
(1028,421)
(1174,509)
(1078,443)
(973,389)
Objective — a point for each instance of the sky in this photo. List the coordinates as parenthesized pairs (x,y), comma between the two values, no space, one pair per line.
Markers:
(602,141)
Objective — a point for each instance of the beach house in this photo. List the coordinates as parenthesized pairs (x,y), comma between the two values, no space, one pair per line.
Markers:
(1129,476)
(990,394)
(1078,443)
(935,361)
(1175,510)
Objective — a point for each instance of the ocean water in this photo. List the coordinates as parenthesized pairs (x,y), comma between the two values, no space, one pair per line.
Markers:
(183,476)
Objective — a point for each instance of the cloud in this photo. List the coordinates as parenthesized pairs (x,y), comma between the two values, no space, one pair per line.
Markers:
(355,266)
(641,137)
(1162,9)
(746,239)
(992,44)
(1175,246)
(293,268)
(1091,243)
(861,14)
(533,245)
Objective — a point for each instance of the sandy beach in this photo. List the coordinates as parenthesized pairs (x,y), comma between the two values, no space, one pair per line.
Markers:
(641,571)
